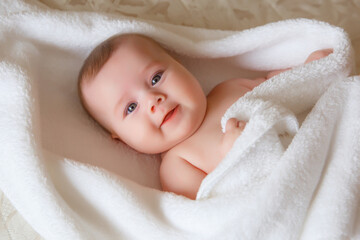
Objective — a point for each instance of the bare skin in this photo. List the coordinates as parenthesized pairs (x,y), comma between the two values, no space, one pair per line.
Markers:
(162,109)
(185,166)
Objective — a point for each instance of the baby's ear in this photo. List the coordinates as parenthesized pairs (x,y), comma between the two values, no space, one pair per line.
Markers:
(115,137)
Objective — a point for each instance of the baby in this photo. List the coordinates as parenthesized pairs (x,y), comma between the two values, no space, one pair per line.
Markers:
(142,96)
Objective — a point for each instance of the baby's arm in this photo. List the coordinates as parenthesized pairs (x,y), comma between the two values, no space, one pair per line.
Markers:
(179,176)
(312,57)
(318,54)
(250,84)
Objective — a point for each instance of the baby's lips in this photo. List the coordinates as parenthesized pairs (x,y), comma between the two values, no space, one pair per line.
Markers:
(167,116)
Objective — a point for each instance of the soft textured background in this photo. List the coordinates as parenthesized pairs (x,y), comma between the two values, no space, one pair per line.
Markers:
(217,14)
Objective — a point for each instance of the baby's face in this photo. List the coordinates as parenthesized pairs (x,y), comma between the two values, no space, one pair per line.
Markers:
(145,97)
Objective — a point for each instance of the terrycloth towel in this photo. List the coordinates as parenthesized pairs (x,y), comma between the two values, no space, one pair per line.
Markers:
(292,174)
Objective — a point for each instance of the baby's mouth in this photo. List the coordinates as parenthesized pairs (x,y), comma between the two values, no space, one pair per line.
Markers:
(169,115)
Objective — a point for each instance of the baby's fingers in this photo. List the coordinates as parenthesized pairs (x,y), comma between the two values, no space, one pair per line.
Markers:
(241,124)
(233,123)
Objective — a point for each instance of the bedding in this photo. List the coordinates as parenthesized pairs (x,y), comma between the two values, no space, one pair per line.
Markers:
(64,152)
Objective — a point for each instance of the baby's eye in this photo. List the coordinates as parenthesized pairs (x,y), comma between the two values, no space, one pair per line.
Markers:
(156,79)
(131,108)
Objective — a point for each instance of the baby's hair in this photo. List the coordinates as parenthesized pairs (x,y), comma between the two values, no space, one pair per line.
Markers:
(93,64)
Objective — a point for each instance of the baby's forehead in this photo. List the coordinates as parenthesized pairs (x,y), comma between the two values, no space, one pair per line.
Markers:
(131,56)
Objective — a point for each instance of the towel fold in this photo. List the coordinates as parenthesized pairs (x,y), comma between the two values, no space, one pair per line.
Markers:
(285,177)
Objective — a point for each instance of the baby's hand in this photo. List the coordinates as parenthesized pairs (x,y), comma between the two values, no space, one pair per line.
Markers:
(233,129)
(318,54)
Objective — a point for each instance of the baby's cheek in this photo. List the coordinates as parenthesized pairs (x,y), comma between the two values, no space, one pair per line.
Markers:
(149,142)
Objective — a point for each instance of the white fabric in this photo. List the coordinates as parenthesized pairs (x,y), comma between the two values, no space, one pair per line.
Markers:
(69,181)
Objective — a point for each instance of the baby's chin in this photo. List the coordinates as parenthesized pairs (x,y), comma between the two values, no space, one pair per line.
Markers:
(158,147)
(154,150)
(164,144)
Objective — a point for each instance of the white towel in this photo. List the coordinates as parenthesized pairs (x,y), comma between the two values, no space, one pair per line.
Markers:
(70,181)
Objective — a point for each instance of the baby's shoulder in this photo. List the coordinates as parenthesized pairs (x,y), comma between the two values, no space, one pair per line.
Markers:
(241,83)
(230,83)
(236,86)
(228,86)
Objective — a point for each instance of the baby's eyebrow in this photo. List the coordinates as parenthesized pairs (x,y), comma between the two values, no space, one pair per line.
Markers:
(149,66)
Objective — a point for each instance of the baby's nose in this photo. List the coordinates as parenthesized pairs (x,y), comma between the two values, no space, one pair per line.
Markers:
(158,99)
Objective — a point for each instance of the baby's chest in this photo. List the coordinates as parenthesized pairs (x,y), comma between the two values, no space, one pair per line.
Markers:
(202,149)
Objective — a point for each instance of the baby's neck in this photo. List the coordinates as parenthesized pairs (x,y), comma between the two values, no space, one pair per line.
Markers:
(163,154)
